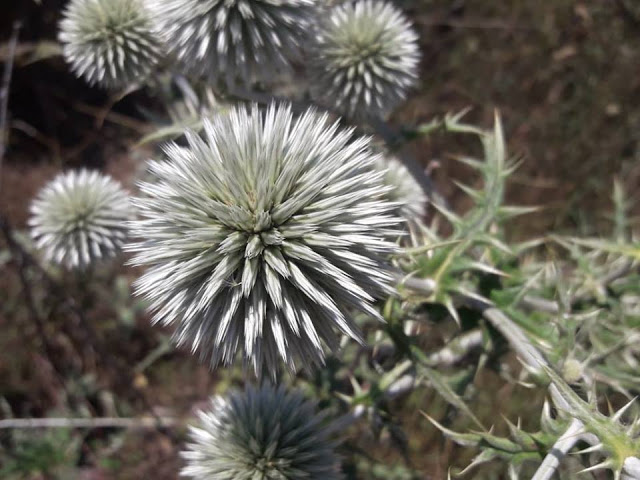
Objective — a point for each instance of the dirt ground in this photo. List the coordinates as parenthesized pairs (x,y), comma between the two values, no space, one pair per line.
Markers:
(563,74)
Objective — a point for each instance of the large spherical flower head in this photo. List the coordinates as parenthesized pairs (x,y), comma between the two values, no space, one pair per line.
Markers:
(262,433)
(365,59)
(79,218)
(109,42)
(405,190)
(234,40)
(264,235)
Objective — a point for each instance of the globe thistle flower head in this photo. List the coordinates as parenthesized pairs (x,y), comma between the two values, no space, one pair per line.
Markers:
(109,42)
(365,58)
(262,433)
(80,217)
(233,40)
(263,235)
(405,190)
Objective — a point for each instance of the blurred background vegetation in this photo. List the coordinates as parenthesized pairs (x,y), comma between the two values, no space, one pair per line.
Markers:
(564,75)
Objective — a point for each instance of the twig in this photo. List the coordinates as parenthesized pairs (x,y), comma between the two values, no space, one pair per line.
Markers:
(457,349)
(23,261)
(516,338)
(4,91)
(105,113)
(51,143)
(99,422)
(164,347)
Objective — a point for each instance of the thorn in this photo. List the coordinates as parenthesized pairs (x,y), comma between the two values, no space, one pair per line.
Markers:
(357,390)
(452,311)
(616,474)
(345,398)
(600,466)
(594,448)
(618,415)
(634,428)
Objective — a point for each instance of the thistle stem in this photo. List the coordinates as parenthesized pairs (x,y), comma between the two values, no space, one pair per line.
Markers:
(559,450)
(100,422)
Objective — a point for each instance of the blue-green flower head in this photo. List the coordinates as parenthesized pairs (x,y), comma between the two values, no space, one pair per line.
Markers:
(263,433)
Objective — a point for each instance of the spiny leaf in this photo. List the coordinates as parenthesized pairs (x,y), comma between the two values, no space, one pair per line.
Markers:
(464,439)
(443,388)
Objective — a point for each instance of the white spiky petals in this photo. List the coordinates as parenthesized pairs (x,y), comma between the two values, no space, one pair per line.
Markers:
(109,42)
(264,433)
(365,59)
(80,217)
(234,40)
(263,235)
(405,190)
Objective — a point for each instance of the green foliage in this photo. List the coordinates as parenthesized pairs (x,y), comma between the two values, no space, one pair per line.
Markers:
(561,303)
(50,453)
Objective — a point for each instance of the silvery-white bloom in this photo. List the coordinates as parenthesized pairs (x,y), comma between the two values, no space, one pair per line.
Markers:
(109,42)
(406,191)
(262,433)
(364,59)
(262,235)
(234,40)
(80,217)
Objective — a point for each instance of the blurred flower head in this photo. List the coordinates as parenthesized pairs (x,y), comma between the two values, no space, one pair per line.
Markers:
(405,190)
(233,40)
(108,42)
(263,235)
(80,217)
(261,433)
(365,58)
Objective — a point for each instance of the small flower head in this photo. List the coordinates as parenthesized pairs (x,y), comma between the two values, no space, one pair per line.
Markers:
(263,235)
(109,42)
(405,190)
(572,370)
(80,217)
(365,58)
(233,40)
(262,433)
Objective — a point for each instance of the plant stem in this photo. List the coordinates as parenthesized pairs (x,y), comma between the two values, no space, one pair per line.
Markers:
(100,422)
(4,90)
(562,446)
